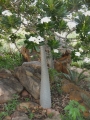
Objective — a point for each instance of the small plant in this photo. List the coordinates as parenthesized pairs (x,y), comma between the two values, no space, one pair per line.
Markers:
(73,111)
(86,65)
(78,64)
(55,80)
(27,99)
(74,76)
(10,107)
(86,99)
(50,115)
(30,114)
(53,74)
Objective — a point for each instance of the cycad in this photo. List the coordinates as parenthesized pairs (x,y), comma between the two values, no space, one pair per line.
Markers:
(74,76)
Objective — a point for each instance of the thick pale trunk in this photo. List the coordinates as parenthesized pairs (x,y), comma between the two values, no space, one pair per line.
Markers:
(45,94)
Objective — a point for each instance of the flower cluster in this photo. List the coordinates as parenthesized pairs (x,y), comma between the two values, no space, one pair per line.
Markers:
(36,40)
(77,54)
(6,13)
(56,51)
(87,60)
(80,49)
(45,20)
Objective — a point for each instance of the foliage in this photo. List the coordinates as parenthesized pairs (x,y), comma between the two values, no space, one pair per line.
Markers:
(55,80)
(10,107)
(30,44)
(56,87)
(74,76)
(30,114)
(10,60)
(82,28)
(78,64)
(73,111)
(57,10)
(86,65)
(74,57)
(54,44)
(53,74)
(27,99)
(86,99)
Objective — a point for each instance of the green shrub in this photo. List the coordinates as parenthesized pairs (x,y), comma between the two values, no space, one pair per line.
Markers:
(9,61)
(73,111)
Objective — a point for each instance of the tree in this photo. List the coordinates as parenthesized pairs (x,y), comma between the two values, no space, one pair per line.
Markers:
(33,11)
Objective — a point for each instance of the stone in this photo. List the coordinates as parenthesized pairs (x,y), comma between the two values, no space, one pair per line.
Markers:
(52,111)
(67,86)
(36,65)
(8,86)
(75,95)
(24,93)
(23,106)
(54,118)
(29,76)
(7,118)
(78,94)
(4,73)
(17,115)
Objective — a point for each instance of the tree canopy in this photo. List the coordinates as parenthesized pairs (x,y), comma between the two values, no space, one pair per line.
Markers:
(28,13)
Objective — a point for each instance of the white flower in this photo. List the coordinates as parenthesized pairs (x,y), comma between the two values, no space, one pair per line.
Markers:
(77,54)
(87,60)
(6,13)
(87,13)
(36,40)
(56,51)
(33,39)
(89,32)
(40,39)
(71,24)
(80,49)
(45,19)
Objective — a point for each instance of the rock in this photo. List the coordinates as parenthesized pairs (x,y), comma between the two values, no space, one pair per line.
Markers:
(29,76)
(4,73)
(36,65)
(54,118)
(52,112)
(26,105)
(8,86)
(24,93)
(75,95)
(67,86)
(7,118)
(78,94)
(19,116)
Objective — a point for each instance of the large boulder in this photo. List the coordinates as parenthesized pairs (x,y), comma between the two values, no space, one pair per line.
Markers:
(29,76)
(8,85)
